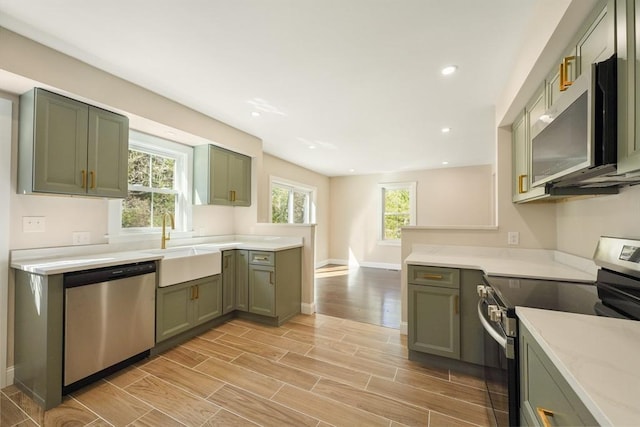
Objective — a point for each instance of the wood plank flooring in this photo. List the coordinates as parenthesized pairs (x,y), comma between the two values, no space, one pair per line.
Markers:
(369,295)
(312,371)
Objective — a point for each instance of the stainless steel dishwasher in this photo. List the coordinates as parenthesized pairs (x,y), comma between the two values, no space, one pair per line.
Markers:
(109,320)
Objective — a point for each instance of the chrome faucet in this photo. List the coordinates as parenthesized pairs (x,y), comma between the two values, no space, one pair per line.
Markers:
(166,236)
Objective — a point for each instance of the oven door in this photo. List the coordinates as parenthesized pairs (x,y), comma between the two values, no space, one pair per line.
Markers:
(500,370)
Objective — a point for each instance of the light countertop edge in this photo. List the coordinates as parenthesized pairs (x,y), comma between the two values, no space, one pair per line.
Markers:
(524,263)
(596,356)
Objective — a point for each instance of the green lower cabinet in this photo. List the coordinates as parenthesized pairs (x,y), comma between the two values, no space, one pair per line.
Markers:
(262,292)
(434,320)
(186,305)
(242,280)
(228,281)
(546,398)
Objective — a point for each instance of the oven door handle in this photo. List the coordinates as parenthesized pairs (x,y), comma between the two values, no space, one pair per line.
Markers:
(487,326)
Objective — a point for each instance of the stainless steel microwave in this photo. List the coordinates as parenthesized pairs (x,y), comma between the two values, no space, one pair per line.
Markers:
(576,139)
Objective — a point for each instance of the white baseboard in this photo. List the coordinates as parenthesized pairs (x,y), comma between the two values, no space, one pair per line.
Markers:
(10,370)
(382,265)
(320,264)
(404,329)
(307,308)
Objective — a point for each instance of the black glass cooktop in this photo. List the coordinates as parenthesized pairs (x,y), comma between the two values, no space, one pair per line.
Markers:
(546,294)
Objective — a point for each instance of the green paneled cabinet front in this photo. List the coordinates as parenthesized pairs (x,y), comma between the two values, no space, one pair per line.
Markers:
(228,281)
(221,177)
(275,280)
(68,147)
(262,292)
(545,396)
(183,306)
(242,280)
(628,52)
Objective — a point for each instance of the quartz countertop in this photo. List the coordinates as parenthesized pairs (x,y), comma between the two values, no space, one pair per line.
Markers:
(48,261)
(596,355)
(525,263)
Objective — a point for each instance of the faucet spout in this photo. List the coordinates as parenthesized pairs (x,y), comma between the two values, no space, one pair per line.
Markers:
(166,236)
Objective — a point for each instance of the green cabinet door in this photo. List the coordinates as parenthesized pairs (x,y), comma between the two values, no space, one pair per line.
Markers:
(208,299)
(221,177)
(68,147)
(262,291)
(242,280)
(59,140)
(174,310)
(434,320)
(185,305)
(108,154)
(228,281)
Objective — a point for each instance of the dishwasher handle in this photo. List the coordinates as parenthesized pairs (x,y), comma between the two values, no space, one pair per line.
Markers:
(105,274)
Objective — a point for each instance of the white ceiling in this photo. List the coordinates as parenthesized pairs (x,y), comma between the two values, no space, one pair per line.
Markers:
(343,86)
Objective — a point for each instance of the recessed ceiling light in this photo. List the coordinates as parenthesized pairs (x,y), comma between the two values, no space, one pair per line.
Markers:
(445,163)
(352,170)
(312,147)
(449,69)
(255,114)
(446,130)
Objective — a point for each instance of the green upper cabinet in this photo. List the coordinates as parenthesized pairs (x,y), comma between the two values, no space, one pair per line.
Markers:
(521,143)
(68,147)
(221,177)
(628,51)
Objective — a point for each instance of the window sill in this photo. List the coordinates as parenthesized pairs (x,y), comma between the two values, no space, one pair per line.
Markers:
(389,243)
(143,236)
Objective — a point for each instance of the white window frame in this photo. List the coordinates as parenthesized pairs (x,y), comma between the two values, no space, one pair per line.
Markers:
(183,183)
(409,185)
(310,211)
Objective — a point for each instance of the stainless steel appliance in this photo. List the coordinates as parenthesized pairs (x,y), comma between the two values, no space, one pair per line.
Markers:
(616,293)
(576,139)
(109,320)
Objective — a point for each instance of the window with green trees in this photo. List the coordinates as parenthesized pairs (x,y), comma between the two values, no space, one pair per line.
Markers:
(152,191)
(290,204)
(398,209)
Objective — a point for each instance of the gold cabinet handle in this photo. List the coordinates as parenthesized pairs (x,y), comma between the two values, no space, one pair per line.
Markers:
(92,174)
(84,178)
(271,277)
(521,183)
(232,195)
(197,291)
(432,276)
(564,73)
(456,305)
(261,258)
(193,293)
(544,414)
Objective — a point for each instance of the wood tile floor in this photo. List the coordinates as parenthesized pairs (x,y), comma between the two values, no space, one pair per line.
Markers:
(314,370)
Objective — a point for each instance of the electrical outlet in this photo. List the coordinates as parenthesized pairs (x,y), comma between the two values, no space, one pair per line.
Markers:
(81,237)
(513,238)
(33,224)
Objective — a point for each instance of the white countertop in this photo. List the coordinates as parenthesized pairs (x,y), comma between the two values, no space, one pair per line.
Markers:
(597,356)
(526,263)
(48,261)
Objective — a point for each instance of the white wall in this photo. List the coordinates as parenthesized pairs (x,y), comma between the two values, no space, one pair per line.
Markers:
(581,222)
(446,197)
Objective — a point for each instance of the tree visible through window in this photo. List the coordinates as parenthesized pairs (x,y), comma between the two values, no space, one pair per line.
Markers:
(152,190)
(398,209)
(290,204)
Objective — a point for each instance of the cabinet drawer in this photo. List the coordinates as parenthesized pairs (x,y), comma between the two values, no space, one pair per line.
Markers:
(261,258)
(434,276)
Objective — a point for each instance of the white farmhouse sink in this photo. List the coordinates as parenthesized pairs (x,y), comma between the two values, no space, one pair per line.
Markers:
(182,264)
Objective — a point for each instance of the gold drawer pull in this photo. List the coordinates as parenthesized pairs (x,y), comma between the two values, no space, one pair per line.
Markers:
(92,174)
(261,258)
(456,305)
(564,73)
(430,276)
(544,414)
(84,178)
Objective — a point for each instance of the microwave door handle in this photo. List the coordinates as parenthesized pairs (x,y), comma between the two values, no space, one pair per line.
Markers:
(502,341)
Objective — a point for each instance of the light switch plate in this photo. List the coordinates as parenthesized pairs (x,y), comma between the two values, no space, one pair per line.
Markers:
(33,224)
